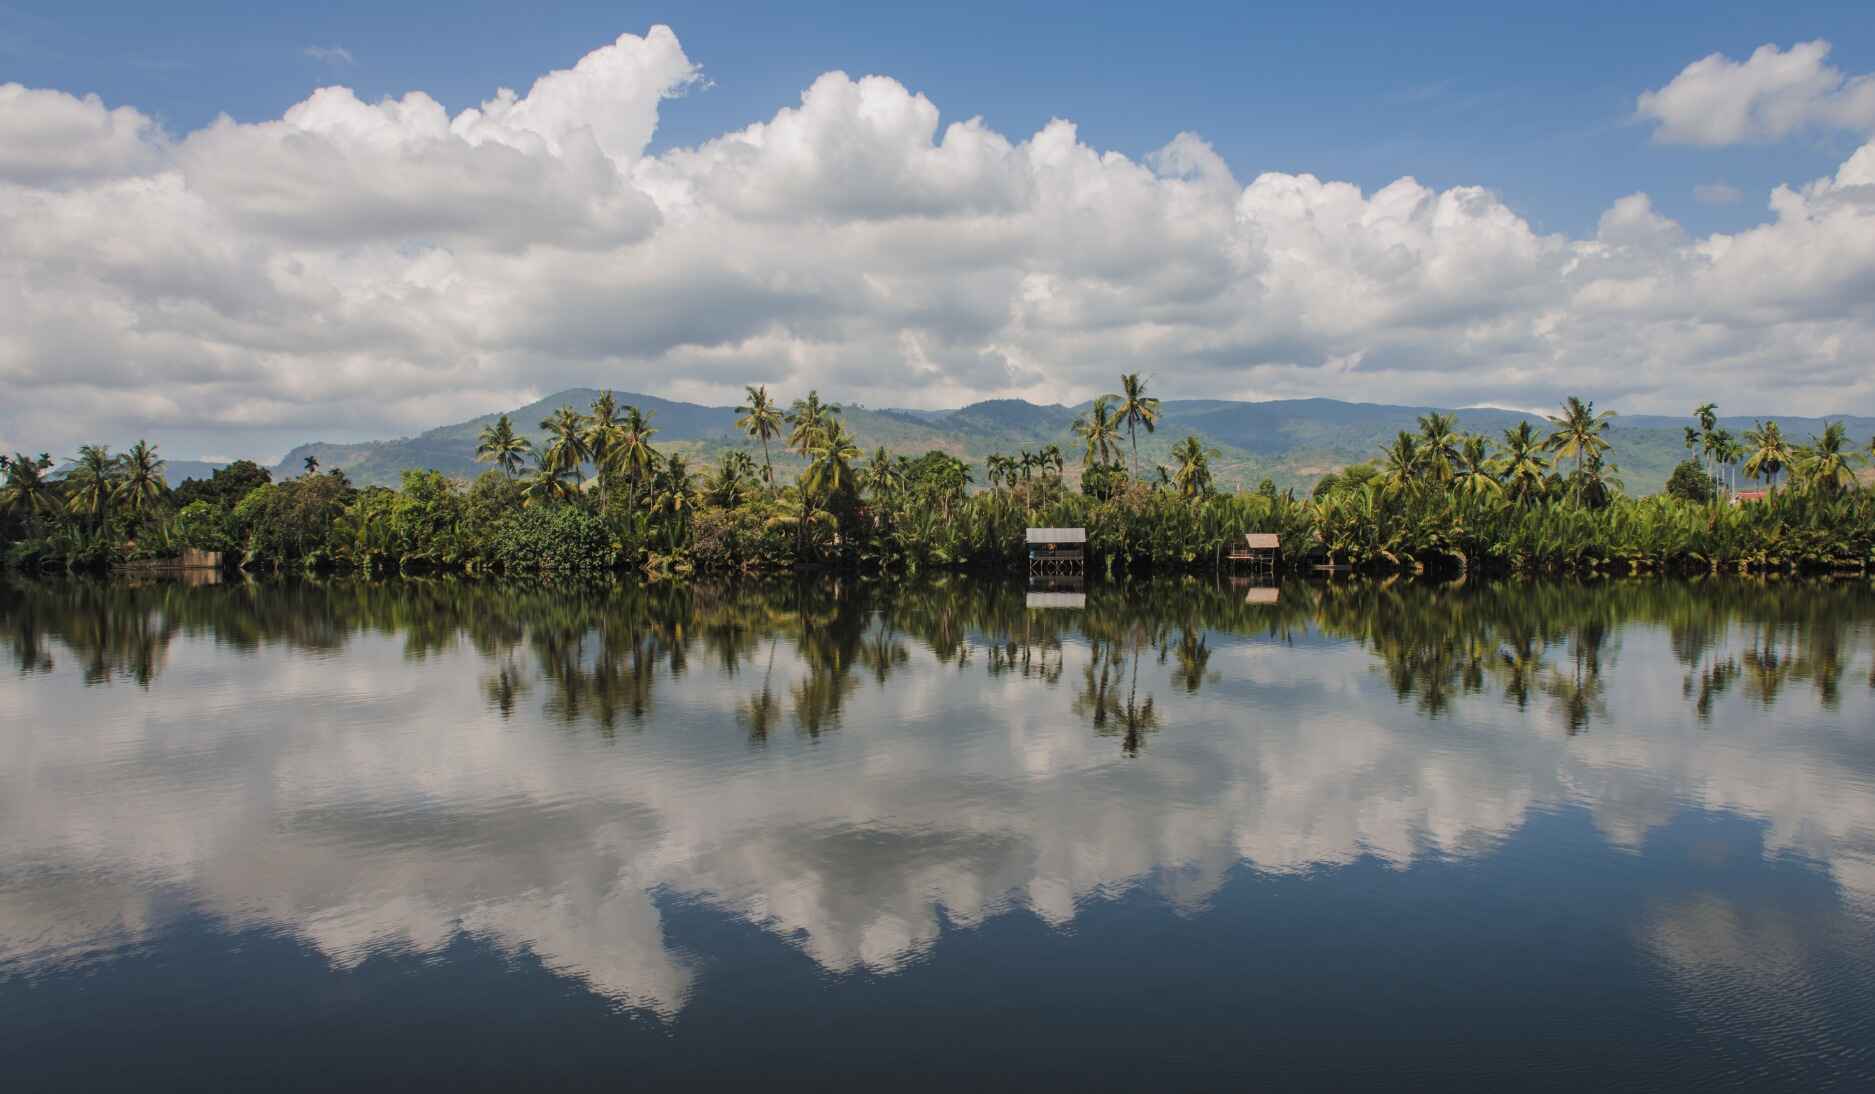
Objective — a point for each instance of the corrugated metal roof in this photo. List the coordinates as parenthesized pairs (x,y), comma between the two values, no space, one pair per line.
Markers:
(1263,541)
(1057,535)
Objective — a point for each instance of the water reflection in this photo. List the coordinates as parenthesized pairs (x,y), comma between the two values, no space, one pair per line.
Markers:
(853,766)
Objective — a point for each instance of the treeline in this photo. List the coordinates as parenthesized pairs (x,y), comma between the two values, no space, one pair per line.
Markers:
(599,496)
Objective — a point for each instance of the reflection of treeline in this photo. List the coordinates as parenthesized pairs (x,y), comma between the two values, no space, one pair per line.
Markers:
(593,652)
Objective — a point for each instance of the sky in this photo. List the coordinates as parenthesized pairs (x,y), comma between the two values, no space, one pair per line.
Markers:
(232,230)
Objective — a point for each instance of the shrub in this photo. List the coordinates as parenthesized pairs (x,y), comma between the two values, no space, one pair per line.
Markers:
(560,539)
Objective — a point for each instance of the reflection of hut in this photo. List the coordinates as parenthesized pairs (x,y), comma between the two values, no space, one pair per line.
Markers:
(1262,594)
(1258,552)
(1057,600)
(1057,552)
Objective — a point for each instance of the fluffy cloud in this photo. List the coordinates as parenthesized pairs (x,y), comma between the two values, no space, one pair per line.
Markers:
(355,269)
(1771,94)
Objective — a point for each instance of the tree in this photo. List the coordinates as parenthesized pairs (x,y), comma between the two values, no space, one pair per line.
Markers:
(226,486)
(1769,453)
(141,478)
(761,419)
(828,475)
(1474,471)
(500,445)
(883,477)
(1100,430)
(1577,432)
(1050,458)
(93,482)
(311,464)
(810,419)
(1403,463)
(601,434)
(1193,476)
(566,451)
(28,492)
(1689,482)
(726,488)
(634,452)
(1522,468)
(1136,409)
(1438,447)
(1824,463)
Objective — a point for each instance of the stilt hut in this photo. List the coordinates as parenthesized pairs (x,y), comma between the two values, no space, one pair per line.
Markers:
(1260,552)
(1057,552)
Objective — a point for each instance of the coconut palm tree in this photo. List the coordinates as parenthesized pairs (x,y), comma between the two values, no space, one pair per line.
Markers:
(1474,475)
(762,420)
(633,452)
(810,419)
(549,481)
(1193,476)
(883,477)
(141,478)
(726,488)
(28,491)
(566,445)
(311,463)
(1769,453)
(1577,433)
(500,445)
(1824,462)
(1524,471)
(1136,409)
(93,482)
(1100,429)
(601,433)
(1404,463)
(1438,445)
(829,474)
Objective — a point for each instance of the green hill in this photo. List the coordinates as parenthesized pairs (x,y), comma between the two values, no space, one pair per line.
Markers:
(1292,441)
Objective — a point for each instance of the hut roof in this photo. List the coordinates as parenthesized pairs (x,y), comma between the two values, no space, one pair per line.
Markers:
(1057,535)
(1057,600)
(1263,541)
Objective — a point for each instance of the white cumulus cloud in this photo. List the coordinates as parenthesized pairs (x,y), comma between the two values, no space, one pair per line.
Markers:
(1769,95)
(358,268)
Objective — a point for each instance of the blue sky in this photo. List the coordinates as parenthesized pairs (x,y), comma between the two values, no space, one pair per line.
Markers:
(1533,101)
(1648,204)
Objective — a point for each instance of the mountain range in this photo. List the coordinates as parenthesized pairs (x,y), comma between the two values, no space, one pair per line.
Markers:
(1292,442)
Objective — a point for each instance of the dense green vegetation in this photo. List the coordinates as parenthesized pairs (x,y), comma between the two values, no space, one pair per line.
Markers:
(1532,500)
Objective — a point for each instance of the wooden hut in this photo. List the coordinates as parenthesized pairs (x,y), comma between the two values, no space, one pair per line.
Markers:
(1260,552)
(1057,552)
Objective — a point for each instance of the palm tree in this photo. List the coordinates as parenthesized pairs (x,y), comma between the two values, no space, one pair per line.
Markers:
(311,463)
(142,482)
(810,419)
(93,482)
(1577,433)
(1474,472)
(726,488)
(998,467)
(674,491)
(566,444)
(1136,409)
(1404,463)
(500,445)
(1100,429)
(602,433)
(1524,471)
(1769,452)
(548,482)
(761,419)
(883,477)
(1825,461)
(1050,457)
(632,450)
(27,490)
(830,473)
(1193,476)
(1438,452)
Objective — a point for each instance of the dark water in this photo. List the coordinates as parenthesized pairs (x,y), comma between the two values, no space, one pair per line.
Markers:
(1368,836)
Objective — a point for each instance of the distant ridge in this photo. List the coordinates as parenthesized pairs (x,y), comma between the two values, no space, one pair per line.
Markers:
(1289,441)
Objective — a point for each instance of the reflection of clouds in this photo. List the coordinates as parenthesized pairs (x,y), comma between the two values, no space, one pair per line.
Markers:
(365,801)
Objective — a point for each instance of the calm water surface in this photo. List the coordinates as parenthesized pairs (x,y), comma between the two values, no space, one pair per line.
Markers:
(1367,836)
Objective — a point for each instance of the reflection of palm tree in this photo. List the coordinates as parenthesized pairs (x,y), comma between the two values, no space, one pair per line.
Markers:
(1194,658)
(761,710)
(503,686)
